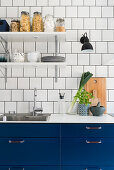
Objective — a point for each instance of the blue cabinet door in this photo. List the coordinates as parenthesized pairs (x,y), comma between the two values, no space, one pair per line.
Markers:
(29,130)
(29,151)
(87,130)
(87,151)
(86,168)
(29,168)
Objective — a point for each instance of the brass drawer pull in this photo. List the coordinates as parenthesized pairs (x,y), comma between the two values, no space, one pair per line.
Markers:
(88,169)
(93,141)
(16,141)
(94,128)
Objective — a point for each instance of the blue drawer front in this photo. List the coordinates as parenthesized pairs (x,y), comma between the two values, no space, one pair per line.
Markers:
(30,168)
(30,151)
(84,151)
(87,130)
(29,130)
(86,168)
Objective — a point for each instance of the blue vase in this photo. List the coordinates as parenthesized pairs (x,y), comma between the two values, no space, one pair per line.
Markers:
(83,110)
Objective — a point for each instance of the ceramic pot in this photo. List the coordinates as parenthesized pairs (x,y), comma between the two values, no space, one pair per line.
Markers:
(83,110)
(18,57)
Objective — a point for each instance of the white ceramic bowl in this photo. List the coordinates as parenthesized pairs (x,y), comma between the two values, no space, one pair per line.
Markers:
(33,57)
(18,57)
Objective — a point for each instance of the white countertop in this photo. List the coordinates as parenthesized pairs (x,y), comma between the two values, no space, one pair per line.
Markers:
(65,118)
(59,118)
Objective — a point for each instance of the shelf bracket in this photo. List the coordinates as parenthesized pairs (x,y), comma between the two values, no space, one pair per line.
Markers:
(7,54)
(5,73)
(56,53)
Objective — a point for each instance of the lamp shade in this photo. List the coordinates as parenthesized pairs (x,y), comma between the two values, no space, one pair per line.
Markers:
(87,47)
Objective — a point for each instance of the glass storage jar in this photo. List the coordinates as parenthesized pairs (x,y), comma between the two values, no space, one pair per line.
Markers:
(60,25)
(49,25)
(37,22)
(62,105)
(15,26)
(18,57)
(25,22)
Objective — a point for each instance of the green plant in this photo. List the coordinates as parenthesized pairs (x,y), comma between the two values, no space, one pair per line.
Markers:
(84,97)
(84,79)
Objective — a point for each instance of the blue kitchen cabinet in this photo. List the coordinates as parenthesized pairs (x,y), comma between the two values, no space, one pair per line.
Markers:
(29,151)
(87,151)
(29,168)
(29,130)
(87,130)
(56,146)
(86,168)
(87,145)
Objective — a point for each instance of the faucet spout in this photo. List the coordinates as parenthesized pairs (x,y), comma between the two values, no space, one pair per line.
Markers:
(35,97)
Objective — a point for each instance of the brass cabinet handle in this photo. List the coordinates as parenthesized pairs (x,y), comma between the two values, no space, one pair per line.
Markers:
(94,128)
(16,141)
(88,169)
(93,141)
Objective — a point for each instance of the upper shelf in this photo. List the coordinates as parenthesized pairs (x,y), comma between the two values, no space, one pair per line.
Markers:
(32,36)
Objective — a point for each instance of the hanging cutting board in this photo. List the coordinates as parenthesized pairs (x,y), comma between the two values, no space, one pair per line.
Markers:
(99,85)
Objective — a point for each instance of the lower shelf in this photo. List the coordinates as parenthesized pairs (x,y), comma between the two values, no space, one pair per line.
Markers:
(34,64)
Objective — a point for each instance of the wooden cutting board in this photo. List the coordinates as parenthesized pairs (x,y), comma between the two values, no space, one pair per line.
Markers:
(97,85)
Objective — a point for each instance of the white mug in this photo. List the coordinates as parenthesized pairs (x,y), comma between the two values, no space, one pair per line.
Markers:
(33,57)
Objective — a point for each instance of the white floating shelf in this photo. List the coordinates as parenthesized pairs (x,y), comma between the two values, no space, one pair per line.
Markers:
(32,36)
(38,64)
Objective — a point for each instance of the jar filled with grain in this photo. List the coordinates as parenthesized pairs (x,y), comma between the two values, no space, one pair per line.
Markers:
(15,26)
(37,22)
(60,25)
(49,25)
(25,22)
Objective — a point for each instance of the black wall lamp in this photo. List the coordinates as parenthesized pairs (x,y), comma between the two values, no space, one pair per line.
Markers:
(86,47)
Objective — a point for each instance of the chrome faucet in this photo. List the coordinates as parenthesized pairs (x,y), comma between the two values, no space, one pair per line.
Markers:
(35,109)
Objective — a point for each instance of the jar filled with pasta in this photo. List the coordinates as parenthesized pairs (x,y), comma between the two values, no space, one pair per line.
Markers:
(60,25)
(15,26)
(37,22)
(25,22)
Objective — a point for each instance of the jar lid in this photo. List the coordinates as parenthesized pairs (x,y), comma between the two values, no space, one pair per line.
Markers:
(14,20)
(38,13)
(60,20)
(25,13)
(49,16)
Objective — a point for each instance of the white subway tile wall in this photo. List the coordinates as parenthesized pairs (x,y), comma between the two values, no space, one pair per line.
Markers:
(96,17)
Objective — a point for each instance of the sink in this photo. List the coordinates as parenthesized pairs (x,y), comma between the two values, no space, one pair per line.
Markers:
(26,117)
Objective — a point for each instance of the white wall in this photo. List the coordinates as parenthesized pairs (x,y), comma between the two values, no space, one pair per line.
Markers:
(92,16)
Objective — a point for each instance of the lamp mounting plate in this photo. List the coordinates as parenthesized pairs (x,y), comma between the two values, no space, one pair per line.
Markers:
(84,38)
